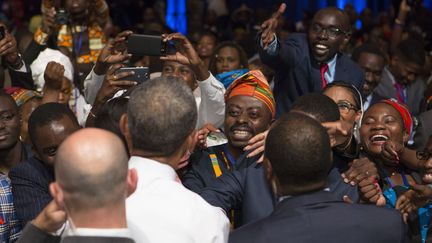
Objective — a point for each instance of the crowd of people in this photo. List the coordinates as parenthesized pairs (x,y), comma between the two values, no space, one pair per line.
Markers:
(251,129)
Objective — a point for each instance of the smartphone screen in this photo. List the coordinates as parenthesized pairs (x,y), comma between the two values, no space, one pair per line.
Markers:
(141,74)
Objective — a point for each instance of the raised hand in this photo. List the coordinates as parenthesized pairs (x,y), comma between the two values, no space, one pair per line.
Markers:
(257,145)
(114,82)
(185,52)
(202,134)
(112,53)
(392,151)
(53,75)
(8,49)
(49,21)
(268,27)
(338,131)
(51,218)
(186,55)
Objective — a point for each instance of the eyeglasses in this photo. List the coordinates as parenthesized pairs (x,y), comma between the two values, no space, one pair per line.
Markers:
(424,155)
(332,32)
(345,107)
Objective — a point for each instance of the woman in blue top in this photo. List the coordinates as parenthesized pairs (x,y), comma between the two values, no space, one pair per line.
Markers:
(387,121)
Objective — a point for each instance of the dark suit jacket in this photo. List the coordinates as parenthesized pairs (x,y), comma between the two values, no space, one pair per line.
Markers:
(423,130)
(31,234)
(22,79)
(248,191)
(30,188)
(320,217)
(297,73)
(375,98)
(415,92)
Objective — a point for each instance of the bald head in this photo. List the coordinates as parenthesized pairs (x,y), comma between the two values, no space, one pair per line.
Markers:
(91,168)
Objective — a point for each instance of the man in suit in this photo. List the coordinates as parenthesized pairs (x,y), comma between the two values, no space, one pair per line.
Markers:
(307,63)
(92,183)
(297,161)
(49,125)
(250,110)
(372,60)
(248,190)
(159,128)
(400,79)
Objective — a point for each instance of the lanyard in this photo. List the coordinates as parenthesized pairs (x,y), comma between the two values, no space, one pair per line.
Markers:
(227,156)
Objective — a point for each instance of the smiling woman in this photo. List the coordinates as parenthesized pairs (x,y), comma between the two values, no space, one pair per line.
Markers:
(384,122)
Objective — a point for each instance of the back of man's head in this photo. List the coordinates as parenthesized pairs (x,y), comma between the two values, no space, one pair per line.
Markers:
(91,168)
(318,106)
(161,114)
(298,149)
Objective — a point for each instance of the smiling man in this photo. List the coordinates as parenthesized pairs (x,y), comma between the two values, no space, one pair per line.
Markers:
(250,109)
(307,63)
(49,125)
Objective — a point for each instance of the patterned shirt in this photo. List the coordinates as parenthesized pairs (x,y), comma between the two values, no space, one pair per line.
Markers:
(10,228)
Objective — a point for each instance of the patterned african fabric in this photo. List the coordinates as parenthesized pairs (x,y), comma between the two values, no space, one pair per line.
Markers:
(254,84)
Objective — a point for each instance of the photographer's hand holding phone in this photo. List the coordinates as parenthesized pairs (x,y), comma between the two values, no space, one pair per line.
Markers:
(112,53)
(49,21)
(114,81)
(8,49)
(185,54)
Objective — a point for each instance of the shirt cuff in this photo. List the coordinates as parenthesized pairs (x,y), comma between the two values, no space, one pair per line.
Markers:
(22,69)
(272,47)
(211,82)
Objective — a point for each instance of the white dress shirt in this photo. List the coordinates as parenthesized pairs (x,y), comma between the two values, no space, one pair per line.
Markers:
(165,211)
(210,98)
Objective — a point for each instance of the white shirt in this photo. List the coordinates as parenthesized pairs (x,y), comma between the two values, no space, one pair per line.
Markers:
(210,98)
(367,102)
(165,211)
(120,232)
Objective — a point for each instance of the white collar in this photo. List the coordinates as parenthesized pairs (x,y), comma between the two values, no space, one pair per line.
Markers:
(114,232)
(148,168)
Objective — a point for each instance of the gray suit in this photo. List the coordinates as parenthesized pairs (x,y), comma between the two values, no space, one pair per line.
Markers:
(415,91)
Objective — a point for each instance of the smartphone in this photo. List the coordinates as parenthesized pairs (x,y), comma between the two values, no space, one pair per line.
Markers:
(2,32)
(146,45)
(141,74)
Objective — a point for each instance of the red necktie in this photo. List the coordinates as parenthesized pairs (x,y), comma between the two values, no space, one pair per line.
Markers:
(323,69)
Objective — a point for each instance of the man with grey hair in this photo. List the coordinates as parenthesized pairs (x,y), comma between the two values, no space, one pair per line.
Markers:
(92,183)
(159,128)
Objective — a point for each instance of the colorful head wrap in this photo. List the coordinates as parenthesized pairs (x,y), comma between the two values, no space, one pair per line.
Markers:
(20,95)
(404,112)
(227,78)
(254,84)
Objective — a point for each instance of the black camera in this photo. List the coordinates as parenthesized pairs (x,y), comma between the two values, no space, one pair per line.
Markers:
(62,17)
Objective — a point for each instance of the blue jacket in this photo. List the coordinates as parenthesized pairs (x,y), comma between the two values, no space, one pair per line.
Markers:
(297,72)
